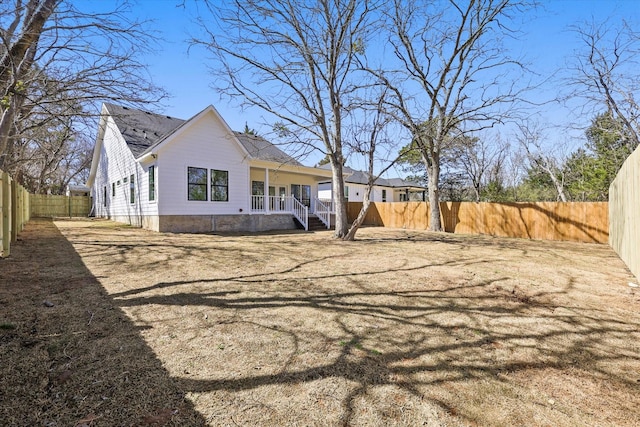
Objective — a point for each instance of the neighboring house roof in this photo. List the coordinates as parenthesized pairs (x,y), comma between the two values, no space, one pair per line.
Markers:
(77,187)
(353,176)
(261,149)
(399,182)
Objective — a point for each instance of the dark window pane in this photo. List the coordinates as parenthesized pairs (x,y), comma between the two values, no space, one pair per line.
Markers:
(220,194)
(219,186)
(132,191)
(197,187)
(257,188)
(152,183)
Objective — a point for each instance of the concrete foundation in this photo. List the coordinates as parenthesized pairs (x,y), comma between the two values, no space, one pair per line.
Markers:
(210,223)
(225,223)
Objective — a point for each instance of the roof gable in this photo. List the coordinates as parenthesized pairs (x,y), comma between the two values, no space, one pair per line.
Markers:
(141,129)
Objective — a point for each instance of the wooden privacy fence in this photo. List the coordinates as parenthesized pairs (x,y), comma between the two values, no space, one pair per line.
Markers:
(624,212)
(14,211)
(44,205)
(578,222)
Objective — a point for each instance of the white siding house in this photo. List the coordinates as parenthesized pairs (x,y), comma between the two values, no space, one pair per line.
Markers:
(168,174)
(384,190)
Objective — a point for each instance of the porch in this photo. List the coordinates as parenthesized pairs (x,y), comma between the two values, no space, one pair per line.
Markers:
(303,213)
(289,189)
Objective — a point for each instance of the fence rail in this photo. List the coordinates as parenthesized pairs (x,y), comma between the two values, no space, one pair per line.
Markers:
(579,222)
(624,212)
(44,205)
(14,211)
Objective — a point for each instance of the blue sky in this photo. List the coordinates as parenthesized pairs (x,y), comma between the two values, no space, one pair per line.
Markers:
(546,42)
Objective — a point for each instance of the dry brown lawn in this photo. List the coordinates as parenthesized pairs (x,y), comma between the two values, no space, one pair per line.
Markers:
(400,328)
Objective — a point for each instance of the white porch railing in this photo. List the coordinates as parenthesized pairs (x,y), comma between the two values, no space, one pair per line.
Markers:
(279,204)
(322,210)
(301,212)
(329,204)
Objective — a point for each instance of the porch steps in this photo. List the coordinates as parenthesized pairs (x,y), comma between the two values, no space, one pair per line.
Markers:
(314,224)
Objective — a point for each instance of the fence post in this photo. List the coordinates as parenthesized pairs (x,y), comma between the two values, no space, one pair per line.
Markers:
(14,214)
(6,214)
(18,209)
(2,208)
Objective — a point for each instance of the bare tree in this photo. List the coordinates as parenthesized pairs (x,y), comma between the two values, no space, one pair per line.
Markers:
(454,77)
(298,61)
(604,73)
(531,139)
(46,158)
(369,139)
(60,53)
(481,161)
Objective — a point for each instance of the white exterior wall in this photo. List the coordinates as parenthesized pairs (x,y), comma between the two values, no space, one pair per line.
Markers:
(356,192)
(116,164)
(324,190)
(203,144)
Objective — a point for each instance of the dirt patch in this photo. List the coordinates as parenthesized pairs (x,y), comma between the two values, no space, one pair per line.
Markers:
(399,328)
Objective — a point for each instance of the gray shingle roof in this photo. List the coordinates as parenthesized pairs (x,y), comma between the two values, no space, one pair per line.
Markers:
(399,182)
(261,149)
(142,129)
(361,177)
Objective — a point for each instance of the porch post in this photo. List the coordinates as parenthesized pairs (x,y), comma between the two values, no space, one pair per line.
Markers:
(266,191)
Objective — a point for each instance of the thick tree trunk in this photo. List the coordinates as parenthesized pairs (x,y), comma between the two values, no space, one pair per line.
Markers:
(433,171)
(16,63)
(340,203)
(366,202)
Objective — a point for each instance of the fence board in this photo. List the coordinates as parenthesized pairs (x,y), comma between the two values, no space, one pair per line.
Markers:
(5,217)
(14,212)
(44,205)
(580,222)
(624,213)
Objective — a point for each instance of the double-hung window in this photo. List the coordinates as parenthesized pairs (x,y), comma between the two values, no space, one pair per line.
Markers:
(152,183)
(197,183)
(132,190)
(219,186)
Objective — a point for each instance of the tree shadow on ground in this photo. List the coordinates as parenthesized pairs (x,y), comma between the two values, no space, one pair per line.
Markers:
(411,340)
(322,341)
(68,355)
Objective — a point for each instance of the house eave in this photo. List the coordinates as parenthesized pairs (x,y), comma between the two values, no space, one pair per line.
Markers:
(305,170)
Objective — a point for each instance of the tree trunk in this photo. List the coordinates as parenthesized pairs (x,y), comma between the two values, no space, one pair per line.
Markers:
(366,202)
(559,186)
(22,52)
(433,171)
(342,221)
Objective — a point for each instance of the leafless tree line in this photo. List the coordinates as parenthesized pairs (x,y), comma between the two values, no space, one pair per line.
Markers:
(443,79)
(58,60)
